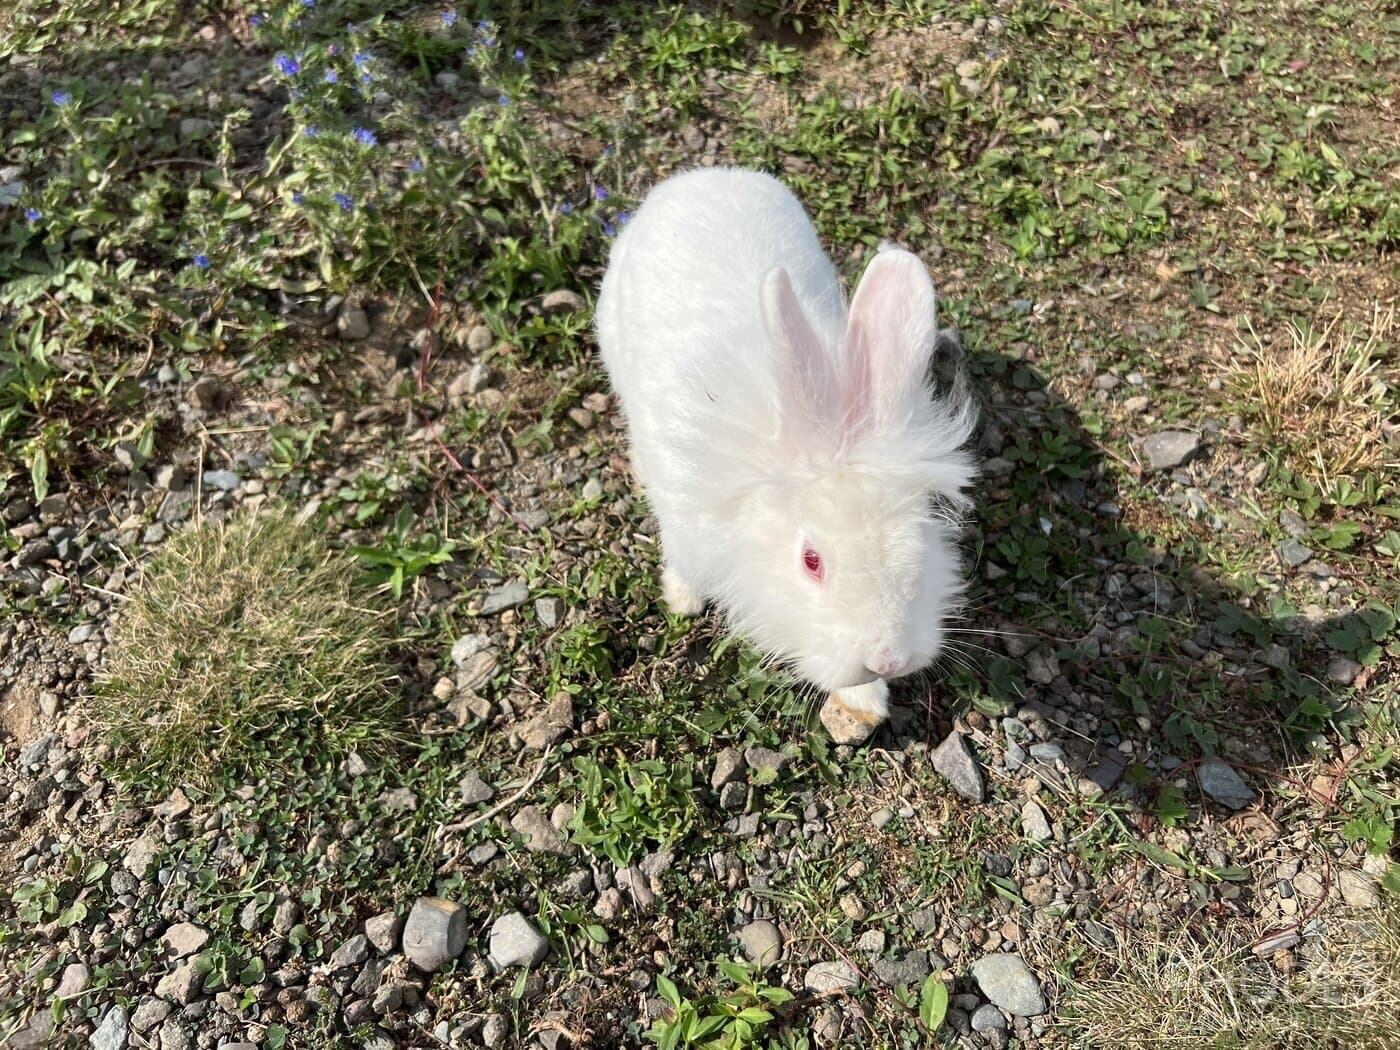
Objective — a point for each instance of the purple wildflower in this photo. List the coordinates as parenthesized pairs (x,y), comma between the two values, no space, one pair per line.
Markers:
(256,20)
(608,229)
(332,76)
(623,218)
(415,165)
(361,58)
(297,198)
(62,98)
(600,193)
(33,214)
(365,137)
(566,207)
(311,131)
(449,18)
(287,65)
(202,261)
(518,55)
(503,100)
(344,200)
(365,78)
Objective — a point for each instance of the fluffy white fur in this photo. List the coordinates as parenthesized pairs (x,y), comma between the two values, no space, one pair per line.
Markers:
(765,417)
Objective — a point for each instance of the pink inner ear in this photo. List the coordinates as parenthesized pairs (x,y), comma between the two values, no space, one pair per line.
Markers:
(889,339)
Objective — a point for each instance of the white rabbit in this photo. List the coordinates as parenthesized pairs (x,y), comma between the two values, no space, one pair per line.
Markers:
(802,472)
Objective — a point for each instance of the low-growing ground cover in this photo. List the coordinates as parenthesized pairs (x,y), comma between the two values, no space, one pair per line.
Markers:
(325,590)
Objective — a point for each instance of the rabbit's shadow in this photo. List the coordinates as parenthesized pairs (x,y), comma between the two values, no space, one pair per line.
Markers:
(1136,661)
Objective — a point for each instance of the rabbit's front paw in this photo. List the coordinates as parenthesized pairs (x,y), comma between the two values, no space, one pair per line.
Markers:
(866,703)
(680,597)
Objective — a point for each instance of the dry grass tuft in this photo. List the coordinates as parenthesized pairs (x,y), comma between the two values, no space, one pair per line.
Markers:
(1322,395)
(247,647)
(1209,990)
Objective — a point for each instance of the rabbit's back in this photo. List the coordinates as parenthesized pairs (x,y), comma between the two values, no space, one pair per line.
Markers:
(679,314)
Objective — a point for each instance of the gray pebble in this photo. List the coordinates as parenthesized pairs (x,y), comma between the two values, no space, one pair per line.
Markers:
(954,760)
(516,942)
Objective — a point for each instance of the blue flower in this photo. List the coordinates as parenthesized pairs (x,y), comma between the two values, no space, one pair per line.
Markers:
(308,3)
(62,98)
(471,51)
(332,77)
(311,131)
(297,198)
(608,229)
(365,137)
(256,20)
(365,78)
(202,261)
(344,200)
(623,218)
(287,65)
(415,165)
(600,193)
(482,25)
(449,18)
(518,55)
(361,58)
(490,41)
(503,100)
(33,214)
(566,207)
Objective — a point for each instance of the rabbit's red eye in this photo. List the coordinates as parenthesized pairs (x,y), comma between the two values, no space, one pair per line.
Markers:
(812,562)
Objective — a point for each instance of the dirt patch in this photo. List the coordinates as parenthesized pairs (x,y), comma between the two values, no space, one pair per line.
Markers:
(19,712)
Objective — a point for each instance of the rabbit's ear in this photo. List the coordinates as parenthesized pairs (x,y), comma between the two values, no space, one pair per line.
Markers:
(801,362)
(889,340)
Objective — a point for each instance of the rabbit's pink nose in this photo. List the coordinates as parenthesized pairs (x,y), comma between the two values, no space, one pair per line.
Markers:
(885,662)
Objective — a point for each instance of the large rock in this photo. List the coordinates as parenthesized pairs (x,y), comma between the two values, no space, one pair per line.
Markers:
(435,933)
(1006,981)
(516,942)
(844,727)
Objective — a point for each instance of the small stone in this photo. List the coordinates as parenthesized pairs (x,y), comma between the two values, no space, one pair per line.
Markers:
(1278,942)
(435,933)
(540,835)
(563,301)
(149,1012)
(729,768)
(1293,554)
(516,942)
(128,456)
(733,796)
(352,323)
(1307,885)
(828,978)
(1168,449)
(224,480)
(494,1032)
(469,645)
(383,931)
(954,760)
(73,982)
(285,916)
(844,727)
(1006,981)
(140,855)
(549,611)
(1343,670)
(1034,822)
(182,985)
(1223,784)
(192,128)
(184,939)
(609,904)
(505,597)
(1041,666)
(872,942)
(762,942)
(1105,773)
(551,725)
(111,1033)
(908,970)
(479,339)
(988,1018)
(174,807)
(881,818)
(352,953)
(474,790)
(761,758)
(1358,888)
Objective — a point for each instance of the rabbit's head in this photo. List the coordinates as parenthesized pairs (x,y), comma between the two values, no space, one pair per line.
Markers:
(845,560)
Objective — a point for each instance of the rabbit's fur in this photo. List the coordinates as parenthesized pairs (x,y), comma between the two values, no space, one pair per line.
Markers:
(803,473)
